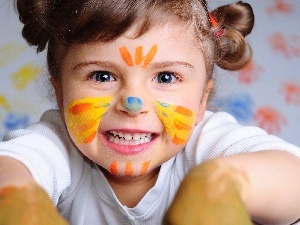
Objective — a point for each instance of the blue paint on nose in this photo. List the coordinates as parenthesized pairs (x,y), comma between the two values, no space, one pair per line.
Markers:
(133,104)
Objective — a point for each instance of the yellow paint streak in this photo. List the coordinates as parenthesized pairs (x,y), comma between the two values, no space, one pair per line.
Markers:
(177,120)
(9,52)
(3,103)
(84,116)
(25,75)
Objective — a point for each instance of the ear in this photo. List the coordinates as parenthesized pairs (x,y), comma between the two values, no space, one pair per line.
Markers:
(203,103)
(58,94)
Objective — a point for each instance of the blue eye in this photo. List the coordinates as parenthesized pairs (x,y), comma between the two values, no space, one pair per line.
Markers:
(165,78)
(102,76)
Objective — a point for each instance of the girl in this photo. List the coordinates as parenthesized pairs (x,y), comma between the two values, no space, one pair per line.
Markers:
(132,135)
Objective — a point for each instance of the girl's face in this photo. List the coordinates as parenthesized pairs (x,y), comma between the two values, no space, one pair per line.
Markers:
(131,104)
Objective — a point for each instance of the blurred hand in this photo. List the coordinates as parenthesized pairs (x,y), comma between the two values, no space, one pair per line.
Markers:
(28,205)
(209,195)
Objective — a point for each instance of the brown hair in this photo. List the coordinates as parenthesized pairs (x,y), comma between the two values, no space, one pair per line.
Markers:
(58,23)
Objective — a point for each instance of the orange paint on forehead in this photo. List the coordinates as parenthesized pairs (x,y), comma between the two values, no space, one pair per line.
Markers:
(139,57)
(83,117)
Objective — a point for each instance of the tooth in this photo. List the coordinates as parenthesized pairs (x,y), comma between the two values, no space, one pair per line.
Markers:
(127,137)
(122,142)
(120,134)
(111,138)
(136,137)
(116,140)
(147,139)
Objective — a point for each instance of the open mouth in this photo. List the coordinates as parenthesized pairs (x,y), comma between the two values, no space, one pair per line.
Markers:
(123,138)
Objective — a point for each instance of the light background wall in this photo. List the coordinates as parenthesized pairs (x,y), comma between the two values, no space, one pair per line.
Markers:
(265,94)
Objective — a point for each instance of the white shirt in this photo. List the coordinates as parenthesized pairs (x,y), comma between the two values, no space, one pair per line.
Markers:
(81,192)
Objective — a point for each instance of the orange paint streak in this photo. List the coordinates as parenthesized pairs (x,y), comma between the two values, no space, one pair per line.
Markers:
(86,126)
(181,126)
(89,138)
(114,168)
(126,56)
(145,167)
(178,141)
(80,108)
(149,57)
(183,111)
(138,55)
(129,169)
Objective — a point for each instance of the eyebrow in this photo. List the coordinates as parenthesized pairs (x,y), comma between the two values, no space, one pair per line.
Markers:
(156,65)
(106,64)
(161,65)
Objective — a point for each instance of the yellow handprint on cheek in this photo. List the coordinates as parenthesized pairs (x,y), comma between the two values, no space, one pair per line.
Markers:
(178,121)
(84,116)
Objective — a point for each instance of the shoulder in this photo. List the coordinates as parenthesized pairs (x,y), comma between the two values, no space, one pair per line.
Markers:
(219,134)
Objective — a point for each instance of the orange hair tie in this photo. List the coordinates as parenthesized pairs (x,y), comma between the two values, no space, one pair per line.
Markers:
(213,20)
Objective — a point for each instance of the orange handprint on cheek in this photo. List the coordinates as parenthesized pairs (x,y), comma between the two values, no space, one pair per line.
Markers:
(139,58)
(177,120)
(84,115)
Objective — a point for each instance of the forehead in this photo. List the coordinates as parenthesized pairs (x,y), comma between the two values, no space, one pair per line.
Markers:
(172,38)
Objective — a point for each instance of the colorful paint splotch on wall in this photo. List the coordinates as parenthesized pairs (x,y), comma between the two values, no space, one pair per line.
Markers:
(250,73)
(4,103)
(25,75)
(14,121)
(280,7)
(291,92)
(10,52)
(239,105)
(270,119)
(286,45)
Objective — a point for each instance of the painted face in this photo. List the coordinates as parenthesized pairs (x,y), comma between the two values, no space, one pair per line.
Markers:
(131,104)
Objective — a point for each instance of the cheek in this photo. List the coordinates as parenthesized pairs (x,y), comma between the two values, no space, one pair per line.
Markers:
(83,117)
(177,120)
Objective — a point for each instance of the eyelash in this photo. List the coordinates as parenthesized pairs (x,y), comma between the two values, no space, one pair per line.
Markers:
(176,77)
(109,77)
(94,73)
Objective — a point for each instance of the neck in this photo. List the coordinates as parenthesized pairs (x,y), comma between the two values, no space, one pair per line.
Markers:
(130,190)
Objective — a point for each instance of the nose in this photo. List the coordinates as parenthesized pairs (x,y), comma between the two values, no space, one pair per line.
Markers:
(131,105)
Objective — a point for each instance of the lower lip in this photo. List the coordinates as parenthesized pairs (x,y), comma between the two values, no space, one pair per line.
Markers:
(128,149)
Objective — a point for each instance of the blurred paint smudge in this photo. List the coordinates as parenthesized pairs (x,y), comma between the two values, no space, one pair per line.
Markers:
(250,73)
(3,103)
(14,121)
(269,119)
(10,52)
(291,92)
(25,75)
(240,106)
